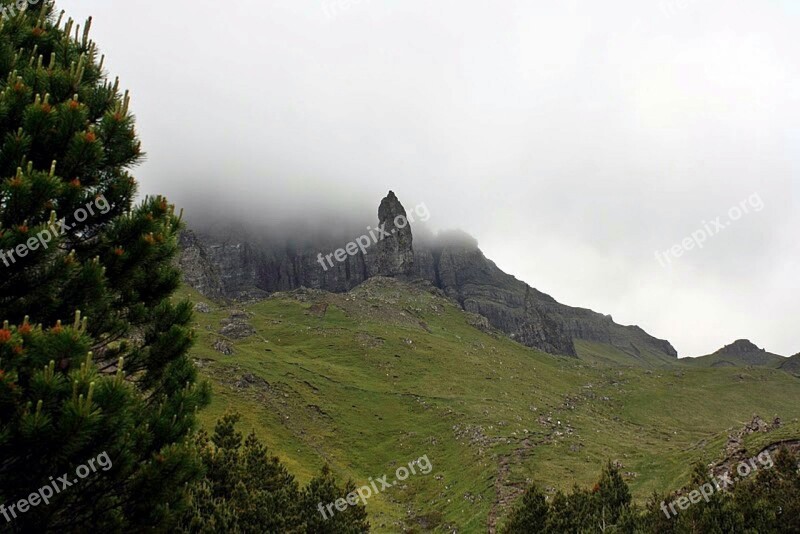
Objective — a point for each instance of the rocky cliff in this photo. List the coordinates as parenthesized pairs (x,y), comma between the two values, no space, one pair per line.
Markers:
(792,365)
(451,261)
(459,268)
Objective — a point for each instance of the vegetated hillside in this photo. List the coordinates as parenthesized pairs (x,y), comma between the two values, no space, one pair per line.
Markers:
(740,353)
(370,379)
(608,354)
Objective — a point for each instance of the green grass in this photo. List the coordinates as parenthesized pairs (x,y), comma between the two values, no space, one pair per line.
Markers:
(602,354)
(393,372)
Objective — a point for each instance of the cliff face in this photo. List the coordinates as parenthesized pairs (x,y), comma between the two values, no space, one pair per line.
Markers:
(220,266)
(198,267)
(467,276)
(527,315)
(792,365)
(452,262)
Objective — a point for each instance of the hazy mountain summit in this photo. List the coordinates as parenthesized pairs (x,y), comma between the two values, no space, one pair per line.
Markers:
(243,265)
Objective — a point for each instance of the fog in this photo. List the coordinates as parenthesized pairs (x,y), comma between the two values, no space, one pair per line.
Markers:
(572,139)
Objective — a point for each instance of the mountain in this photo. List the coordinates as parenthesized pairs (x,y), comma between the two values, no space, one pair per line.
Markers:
(740,353)
(420,345)
(236,264)
(367,380)
(791,365)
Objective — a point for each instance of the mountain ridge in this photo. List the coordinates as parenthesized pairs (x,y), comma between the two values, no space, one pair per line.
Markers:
(242,267)
(740,353)
(395,368)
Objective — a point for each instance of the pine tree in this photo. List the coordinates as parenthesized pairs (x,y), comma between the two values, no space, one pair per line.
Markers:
(613,494)
(531,515)
(654,519)
(75,250)
(574,512)
(246,490)
(323,490)
(783,484)
(766,502)
(607,508)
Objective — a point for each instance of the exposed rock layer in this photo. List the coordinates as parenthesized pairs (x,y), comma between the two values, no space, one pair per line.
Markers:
(453,263)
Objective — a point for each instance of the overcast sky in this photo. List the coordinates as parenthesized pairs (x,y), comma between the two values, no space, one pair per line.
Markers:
(573,139)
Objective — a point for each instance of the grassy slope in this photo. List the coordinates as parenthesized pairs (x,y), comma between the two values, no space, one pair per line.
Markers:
(718,360)
(602,354)
(725,358)
(393,372)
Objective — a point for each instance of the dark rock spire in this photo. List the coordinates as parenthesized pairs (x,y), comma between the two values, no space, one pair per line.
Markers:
(394,254)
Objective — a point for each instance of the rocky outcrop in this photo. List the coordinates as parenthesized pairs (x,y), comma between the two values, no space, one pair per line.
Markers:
(236,326)
(745,351)
(792,365)
(740,353)
(394,254)
(451,261)
(223,346)
(735,450)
